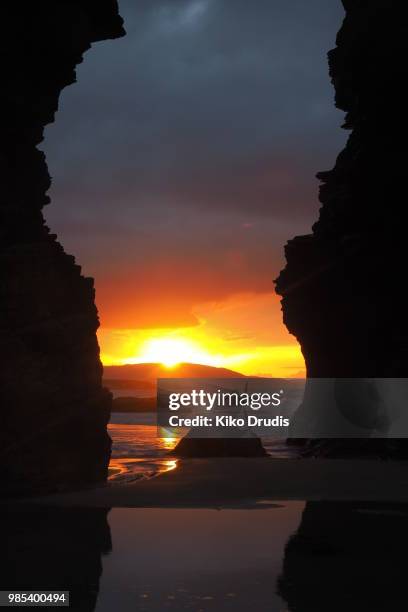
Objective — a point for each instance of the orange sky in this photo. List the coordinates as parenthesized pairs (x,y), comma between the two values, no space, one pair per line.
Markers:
(204,303)
(183,160)
(243,332)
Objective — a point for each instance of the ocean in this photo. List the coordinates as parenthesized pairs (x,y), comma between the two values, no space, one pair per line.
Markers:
(138,452)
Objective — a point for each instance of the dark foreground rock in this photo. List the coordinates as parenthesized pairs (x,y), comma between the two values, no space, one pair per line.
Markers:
(219,447)
(347,556)
(343,288)
(53,408)
(55,549)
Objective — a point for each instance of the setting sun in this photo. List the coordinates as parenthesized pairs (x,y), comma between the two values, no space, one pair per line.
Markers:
(238,333)
(171,351)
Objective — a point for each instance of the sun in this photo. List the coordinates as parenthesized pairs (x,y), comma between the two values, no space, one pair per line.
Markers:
(171,351)
(167,351)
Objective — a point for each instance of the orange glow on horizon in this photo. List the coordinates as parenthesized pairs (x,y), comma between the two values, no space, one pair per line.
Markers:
(278,361)
(243,333)
(171,351)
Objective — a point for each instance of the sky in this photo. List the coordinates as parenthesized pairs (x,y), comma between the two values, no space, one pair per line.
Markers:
(183,159)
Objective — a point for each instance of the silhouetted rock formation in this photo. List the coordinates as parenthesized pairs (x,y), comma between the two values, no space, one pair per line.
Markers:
(219,447)
(343,286)
(216,441)
(53,409)
(347,556)
(55,549)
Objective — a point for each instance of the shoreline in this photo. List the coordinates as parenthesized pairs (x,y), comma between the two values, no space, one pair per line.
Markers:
(243,483)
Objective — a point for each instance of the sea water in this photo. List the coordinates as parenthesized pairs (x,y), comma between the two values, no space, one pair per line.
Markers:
(138,451)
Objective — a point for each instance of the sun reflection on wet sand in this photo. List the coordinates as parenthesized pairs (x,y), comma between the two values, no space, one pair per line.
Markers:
(138,452)
(171,464)
(168,443)
(129,469)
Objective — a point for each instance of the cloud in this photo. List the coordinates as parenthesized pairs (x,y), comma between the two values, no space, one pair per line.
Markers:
(184,157)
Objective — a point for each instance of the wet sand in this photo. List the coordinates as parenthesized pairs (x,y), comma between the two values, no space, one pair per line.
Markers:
(246,483)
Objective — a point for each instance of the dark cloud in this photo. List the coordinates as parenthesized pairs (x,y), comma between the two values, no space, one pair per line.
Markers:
(209,118)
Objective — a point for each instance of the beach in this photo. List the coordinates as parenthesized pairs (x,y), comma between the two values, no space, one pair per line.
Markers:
(235,482)
(222,535)
(278,533)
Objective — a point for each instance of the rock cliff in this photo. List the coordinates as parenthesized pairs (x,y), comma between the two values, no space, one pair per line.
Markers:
(53,408)
(343,286)
(55,549)
(346,556)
